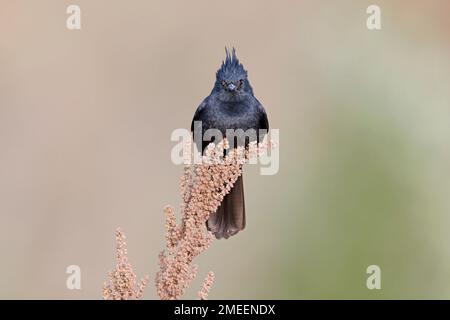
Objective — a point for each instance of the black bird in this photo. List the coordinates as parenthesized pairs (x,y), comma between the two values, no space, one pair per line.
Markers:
(231,105)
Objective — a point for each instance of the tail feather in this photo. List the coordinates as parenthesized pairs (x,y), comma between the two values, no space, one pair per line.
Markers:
(229,218)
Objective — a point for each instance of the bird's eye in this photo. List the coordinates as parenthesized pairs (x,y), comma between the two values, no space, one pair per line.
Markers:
(241,82)
(224,83)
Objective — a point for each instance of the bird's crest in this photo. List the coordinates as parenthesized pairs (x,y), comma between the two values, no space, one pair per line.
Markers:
(231,67)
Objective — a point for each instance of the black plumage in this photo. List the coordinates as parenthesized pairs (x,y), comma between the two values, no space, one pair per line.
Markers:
(231,105)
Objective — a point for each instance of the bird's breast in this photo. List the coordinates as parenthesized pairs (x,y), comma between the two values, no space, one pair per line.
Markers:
(223,119)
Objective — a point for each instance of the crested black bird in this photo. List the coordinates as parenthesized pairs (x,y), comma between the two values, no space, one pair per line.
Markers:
(230,105)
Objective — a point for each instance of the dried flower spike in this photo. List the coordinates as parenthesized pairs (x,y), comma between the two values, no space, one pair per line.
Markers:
(206,287)
(122,280)
(203,187)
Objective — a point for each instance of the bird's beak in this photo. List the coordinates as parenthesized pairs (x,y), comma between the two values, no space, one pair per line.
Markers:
(231,87)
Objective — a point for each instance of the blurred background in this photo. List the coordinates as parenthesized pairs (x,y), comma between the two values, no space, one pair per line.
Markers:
(364,118)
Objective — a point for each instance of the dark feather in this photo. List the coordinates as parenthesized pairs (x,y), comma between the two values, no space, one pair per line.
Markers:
(229,218)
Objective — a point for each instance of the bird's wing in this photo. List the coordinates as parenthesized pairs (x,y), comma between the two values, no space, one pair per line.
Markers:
(263,121)
(198,112)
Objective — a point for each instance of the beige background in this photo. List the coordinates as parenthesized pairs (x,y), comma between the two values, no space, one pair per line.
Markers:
(86,118)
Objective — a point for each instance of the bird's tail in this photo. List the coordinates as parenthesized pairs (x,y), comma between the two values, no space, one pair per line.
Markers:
(229,218)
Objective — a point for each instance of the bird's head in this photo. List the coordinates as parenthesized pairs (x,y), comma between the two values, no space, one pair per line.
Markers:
(231,79)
